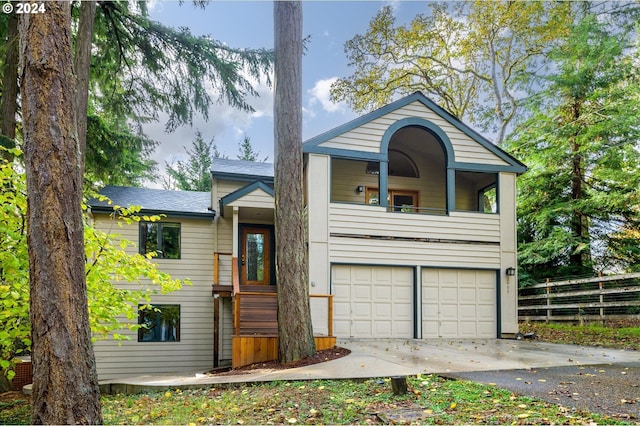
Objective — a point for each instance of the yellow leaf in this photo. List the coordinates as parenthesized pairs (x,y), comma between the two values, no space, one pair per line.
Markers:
(271,410)
(292,420)
(523,415)
(428,411)
(453,406)
(522,406)
(313,411)
(350,400)
(191,424)
(167,394)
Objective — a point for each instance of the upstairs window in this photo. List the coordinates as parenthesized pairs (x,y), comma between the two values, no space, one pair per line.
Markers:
(399,200)
(159,323)
(162,238)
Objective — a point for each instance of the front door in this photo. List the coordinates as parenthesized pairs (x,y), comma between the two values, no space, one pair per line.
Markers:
(255,256)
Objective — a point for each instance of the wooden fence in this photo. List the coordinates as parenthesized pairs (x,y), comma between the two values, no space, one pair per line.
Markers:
(589,299)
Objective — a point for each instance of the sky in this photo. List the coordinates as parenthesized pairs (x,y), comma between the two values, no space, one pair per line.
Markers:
(249,24)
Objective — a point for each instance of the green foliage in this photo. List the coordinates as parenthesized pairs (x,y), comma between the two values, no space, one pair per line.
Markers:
(14,266)
(578,203)
(141,67)
(194,174)
(247,153)
(115,155)
(112,305)
(474,58)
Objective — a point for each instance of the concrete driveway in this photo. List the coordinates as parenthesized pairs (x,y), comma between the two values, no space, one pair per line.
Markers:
(401,357)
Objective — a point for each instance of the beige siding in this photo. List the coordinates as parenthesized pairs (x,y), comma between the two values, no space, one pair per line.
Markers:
(347,174)
(410,253)
(256,199)
(367,137)
(509,287)
(194,351)
(317,184)
(226,187)
(376,221)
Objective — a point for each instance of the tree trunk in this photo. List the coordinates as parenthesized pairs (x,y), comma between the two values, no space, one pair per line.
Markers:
(580,257)
(65,383)
(82,62)
(9,105)
(295,332)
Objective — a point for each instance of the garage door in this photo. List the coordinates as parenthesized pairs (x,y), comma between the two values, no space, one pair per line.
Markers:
(459,303)
(372,301)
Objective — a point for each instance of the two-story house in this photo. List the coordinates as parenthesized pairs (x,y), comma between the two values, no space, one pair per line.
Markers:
(411,234)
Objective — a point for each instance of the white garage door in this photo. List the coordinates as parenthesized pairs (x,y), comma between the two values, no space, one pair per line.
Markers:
(459,303)
(372,301)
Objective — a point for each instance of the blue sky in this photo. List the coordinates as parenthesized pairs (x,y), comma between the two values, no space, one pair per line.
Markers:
(249,24)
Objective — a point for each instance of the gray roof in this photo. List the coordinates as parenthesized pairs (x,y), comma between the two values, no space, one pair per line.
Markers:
(227,168)
(156,201)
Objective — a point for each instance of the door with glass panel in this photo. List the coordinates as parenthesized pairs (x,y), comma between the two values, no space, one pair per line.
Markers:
(255,256)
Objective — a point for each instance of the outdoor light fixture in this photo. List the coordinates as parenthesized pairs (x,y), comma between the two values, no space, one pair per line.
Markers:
(359,189)
(511,272)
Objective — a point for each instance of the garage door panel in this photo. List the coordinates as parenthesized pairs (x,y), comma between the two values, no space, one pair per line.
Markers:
(458,303)
(380,303)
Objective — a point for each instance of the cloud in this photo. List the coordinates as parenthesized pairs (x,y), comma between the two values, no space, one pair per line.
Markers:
(320,94)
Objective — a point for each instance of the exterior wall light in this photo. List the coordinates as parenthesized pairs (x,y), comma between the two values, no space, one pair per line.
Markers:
(511,272)
(359,189)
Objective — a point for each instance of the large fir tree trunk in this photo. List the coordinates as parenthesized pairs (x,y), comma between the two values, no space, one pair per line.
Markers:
(9,104)
(580,257)
(295,332)
(65,385)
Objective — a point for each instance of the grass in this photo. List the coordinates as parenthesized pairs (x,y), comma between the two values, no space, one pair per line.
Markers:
(431,400)
(623,335)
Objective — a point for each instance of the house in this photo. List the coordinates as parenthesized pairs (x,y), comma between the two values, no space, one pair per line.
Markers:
(412,234)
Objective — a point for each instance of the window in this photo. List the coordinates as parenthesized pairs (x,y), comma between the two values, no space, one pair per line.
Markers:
(162,238)
(399,201)
(160,323)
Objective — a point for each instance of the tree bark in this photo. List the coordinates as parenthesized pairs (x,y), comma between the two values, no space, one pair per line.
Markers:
(295,331)
(82,62)
(9,105)
(65,383)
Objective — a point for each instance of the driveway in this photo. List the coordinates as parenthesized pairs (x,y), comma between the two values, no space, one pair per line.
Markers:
(608,389)
(403,357)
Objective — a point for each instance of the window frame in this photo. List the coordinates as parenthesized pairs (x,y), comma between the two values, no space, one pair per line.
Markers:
(160,252)
(369,190)
(146,309)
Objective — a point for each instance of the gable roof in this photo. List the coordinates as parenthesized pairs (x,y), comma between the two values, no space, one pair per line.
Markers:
(156,201)
(245,190)
(225,168)
(313,145)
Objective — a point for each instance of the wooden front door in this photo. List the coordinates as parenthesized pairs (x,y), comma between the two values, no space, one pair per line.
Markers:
(255,256)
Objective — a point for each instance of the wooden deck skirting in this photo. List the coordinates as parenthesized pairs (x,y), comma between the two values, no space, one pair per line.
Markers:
(255,324)
(249,350)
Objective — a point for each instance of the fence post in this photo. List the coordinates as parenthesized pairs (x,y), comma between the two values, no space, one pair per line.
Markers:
(600,286)
(548,301)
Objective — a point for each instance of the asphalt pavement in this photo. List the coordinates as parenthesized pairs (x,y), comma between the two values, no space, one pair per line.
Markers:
(611,389)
